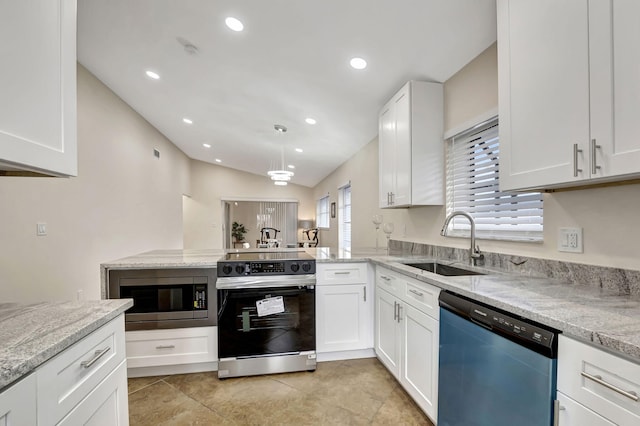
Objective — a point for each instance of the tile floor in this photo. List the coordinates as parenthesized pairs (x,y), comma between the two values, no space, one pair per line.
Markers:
(354,392)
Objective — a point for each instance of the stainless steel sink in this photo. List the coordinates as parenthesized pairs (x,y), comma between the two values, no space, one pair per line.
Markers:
(442,269)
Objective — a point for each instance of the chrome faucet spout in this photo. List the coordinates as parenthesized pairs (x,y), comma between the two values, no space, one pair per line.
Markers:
(474,251)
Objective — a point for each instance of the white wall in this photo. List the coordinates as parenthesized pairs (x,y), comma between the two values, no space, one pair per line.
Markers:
(607,215)
(124,201)
(210,184)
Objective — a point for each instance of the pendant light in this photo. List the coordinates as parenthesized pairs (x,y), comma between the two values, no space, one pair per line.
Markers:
(280,176)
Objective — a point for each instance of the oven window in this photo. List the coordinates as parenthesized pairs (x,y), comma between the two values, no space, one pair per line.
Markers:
(159,298)
(242,332)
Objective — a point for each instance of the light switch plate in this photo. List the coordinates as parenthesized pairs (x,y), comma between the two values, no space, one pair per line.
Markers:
(570,240)
(41,229)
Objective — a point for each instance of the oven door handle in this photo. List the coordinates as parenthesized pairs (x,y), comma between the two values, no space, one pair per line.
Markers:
(267,281)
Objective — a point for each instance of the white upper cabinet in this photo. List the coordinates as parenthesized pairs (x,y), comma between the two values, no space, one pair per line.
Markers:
(38,86)
(567,92)
(411,149)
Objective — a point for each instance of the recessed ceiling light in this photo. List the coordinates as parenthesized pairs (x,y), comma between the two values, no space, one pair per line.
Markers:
(187,120)
(234,24)
(358,63)
(298,149)
(280,182)
(153,75)
(291,166)
(206,145)
(310,120)
(218,160)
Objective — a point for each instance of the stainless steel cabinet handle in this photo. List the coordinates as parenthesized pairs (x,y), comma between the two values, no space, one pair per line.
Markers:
(96,356)
(384,277)
(166,347)
(576,170)
(364,288)
(556,412)
(598,379)
(594,163)
(342,273)
(416,292)
(395,311)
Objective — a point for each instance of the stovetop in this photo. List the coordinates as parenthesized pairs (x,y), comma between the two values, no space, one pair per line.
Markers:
(240,264)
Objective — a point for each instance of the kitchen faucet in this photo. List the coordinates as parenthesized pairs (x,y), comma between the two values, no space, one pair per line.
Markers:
(474,251)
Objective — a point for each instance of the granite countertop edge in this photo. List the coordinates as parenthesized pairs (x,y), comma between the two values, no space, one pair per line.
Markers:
(47,330)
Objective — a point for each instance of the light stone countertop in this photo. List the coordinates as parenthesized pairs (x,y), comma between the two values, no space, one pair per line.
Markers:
(601,316)
(32,334)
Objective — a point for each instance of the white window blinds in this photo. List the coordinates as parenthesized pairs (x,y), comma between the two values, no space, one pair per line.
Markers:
(473,174)
(322,212)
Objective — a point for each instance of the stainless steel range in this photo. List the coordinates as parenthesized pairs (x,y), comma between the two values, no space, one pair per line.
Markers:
(266,313)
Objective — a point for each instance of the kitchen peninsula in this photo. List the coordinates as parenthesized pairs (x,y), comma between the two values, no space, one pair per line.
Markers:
(63,362)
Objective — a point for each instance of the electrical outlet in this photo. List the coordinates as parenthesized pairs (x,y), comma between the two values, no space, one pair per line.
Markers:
(570,240)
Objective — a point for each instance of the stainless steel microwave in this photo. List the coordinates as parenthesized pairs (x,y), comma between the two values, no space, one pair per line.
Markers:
(166,298)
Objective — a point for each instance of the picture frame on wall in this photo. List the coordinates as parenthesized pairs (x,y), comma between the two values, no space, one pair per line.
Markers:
(333,210)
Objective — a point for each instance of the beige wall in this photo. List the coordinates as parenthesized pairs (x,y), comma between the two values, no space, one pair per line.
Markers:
(607,215)
(124,201)
(210,184)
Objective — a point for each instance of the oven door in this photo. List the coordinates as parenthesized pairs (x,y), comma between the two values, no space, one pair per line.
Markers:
(266,321)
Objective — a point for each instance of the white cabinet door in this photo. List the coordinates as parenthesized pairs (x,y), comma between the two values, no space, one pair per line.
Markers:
(38,86)
(386,153)
(401,195)
(574,414)
(106,405)
(343,317)
(622,156)
(387,341)
(543,65)
(18,403)
(420,345)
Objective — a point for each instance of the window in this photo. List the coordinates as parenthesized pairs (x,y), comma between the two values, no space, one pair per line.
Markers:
(344,217)
(473,173)
(322,212)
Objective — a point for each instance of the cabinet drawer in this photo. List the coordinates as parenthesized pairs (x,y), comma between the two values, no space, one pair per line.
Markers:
(602,382)
(341,273)
(390,281)
(422,296)
(70,376)
(574,414)
(171,347)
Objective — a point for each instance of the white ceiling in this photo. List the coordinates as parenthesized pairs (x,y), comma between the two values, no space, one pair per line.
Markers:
(290,62)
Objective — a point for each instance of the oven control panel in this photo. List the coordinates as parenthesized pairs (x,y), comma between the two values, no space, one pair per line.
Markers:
(280,267)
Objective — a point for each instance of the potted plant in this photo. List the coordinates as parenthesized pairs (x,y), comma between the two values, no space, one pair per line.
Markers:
(237,231)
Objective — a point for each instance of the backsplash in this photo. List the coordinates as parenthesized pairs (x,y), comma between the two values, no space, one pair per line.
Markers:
(622,281)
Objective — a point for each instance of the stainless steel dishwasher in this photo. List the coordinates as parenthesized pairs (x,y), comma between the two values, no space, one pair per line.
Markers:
(495,369)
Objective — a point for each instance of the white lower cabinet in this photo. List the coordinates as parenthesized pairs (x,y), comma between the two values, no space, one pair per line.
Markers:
(572,413)
(596,387)
(344,308)
(407,335)
(86,384)
(18,403)
(178,346)
(106,405)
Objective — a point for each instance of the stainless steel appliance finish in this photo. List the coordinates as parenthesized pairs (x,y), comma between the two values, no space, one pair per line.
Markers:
(165,298)
(251,341)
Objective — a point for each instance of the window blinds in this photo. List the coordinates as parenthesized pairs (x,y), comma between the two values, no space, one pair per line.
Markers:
(322,212)
(473,169)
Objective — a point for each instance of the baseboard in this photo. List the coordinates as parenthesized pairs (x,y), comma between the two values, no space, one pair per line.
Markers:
(342,355)
(167,370)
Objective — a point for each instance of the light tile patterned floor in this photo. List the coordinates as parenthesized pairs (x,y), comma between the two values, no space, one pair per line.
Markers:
(354,392)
